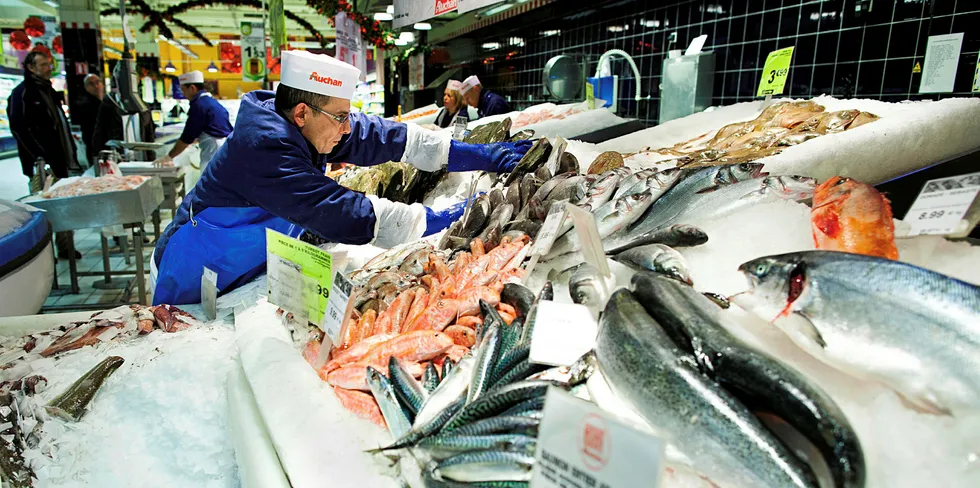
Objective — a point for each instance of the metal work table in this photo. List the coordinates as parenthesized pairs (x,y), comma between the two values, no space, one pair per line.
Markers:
(174,189)
(129,208)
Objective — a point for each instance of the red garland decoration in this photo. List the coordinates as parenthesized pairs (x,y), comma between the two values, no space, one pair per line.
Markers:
(19,40)
(57,46)
(41,48)
(34,27)
(371,30)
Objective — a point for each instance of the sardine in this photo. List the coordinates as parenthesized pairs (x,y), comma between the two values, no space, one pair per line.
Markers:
(662,383)
(486,466)
(755,378)
(384,393)
(918,331)
(677,235)
(407,389)
(71,404)
(585,286)
(658,258)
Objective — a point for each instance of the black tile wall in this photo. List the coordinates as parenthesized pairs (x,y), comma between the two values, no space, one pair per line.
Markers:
(848,48)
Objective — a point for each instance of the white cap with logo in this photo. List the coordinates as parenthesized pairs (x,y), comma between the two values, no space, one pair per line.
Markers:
(319,73)
(454,85)
(469,83)
(191,77)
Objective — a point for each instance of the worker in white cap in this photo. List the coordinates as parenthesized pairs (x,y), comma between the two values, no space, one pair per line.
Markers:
(270,175)
(452,105)
(207,121)
(486,102)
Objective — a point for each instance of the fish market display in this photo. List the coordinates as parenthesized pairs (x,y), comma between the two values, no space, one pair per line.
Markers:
(71,404)
(914,330)
(779,126)
(853,217)
(91,186)
(529,117)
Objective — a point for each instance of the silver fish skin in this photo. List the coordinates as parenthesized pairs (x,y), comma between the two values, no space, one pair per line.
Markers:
(430,378)
(407,389)
(486,357)
(918,331)
(479,466)
(625,211)
(384,394)
(393,257)
(501,425)
(627,184)
(452,387)
(677,235)
(572,189)
(601,191)
(585,286)
(658,258)
(722,437)
(444,446)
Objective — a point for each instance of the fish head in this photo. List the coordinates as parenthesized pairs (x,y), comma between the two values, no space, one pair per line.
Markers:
(790,187)
(779,283)
(691,233)
(373,376)
(664,178)
(729,175)
(834,191)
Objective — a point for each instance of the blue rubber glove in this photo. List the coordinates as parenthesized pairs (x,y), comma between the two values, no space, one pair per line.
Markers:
(437,220)
(498,157)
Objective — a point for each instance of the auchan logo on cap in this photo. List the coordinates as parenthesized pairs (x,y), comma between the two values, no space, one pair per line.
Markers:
(328,80)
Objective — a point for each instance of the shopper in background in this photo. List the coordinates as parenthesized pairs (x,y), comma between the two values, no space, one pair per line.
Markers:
(452,105)
(41,130)
(486,102)
(87,112)
(270,175)
(108,121)
(207,121)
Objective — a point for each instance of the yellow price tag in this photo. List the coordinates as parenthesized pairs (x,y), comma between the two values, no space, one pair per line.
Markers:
(590,95)
(775,72)
(298,276)
(976,78)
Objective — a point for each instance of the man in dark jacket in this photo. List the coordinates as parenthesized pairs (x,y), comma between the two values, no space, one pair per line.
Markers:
(87,111)
(486,102)
(41,129)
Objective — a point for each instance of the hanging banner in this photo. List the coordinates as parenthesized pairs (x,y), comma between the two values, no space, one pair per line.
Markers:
(350,45)
(277,27)
(408,12)
(471,5)
(253,51)
(416,72)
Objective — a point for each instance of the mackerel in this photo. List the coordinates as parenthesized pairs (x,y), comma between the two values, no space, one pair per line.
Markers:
(486,466)
(384,393)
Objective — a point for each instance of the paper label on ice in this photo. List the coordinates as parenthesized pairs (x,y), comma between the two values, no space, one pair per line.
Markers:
(459,127)
(589,240)
(333,320)
(209,293)
(298,276)
(547,235)
(562,333)
(554,159)
(583,446)
(942,204)
(775,72)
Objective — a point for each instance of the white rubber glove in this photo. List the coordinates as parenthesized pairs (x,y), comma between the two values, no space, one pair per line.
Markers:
(396,223)
(425,149)
(163,161)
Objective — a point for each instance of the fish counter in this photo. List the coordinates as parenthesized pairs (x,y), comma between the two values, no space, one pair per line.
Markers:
(772,329)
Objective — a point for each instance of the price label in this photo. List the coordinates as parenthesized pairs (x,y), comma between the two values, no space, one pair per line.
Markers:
(976,78)
(590,95)
(253,51)
(549,230)
(562,333)
(554,159)
(583,446)
(298,276)
(209,293)
(333,320)
(588,237)
(459,127)
(775,72)
(942,205)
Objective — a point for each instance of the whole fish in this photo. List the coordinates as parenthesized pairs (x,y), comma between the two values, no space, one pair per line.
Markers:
(477,216)
(513,194)
(430,378)
(585,286)
(628,183)
(624,211)
(658,258)
(447,367)
(384,393)
(601,191)
(918,331)
(547,293)
(722,437)
(452,387)
(535,206)
(572,189)
(360,404)
(72,404)
(518,297)
(501,425)
(408,391)
(443,446)
(486,358)
(754,377)
(521,371)
(535,156)
(394,256)
(414,264)
(497,401)
(479,466)
(508,361)
(852,217)
(568,163)
(496,197)
(529,184)
(530,408)
(677,235)
(421,430)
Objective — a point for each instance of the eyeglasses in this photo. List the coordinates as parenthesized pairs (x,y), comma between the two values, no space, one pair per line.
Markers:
(341,119)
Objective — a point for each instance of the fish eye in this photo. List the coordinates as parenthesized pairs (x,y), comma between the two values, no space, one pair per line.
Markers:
(745,167)
(761,269)
(842,181)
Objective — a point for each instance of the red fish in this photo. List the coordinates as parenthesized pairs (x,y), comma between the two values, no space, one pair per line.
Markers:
(852,217)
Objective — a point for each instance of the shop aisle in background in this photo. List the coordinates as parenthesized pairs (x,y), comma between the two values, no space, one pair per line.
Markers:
(13,183)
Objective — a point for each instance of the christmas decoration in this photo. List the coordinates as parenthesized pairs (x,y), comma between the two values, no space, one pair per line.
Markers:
(19,40)
(371,30)
(57,46)
(41,48)
(34,26)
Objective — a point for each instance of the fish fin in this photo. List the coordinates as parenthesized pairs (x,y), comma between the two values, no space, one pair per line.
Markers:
(923,404)
(708,189)
(801,325)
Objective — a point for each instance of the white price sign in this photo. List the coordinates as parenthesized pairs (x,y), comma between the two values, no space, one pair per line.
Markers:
(583,446)
(588,236)
(209,293)
(942,204)
(253,51)
(333,319)
(554,159)
(549,230)
(459,127)
(562,333)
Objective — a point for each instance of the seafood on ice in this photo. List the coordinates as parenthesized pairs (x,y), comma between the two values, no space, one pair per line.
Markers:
(91,186)
(852,217)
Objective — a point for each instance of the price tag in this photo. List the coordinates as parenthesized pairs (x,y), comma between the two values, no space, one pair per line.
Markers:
(562,333)
(298,276)
(549,230)
(942,204)
(459,127)
(583,446)
(333,320)
(554,159)
(588,237)
(590,95)
(253,51)
(775,72)
(976,78)
(209,293)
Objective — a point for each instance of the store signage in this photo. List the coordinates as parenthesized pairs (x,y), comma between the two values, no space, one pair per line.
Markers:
(298,276)
(942,205)
(590,95)
(333,320)
(548,233)
(209,293)
(416,72)
(588,238)
(350,44)
(583,446)
(253,51)
(471,5)
(562,333)
(942,59)
(408,12)
(775,72)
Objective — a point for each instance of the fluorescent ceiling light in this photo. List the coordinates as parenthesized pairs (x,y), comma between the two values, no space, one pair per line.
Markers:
(618,28)
(399,42)
(407,36)
(489,46)
(548,33)
(383,16)
(496,10)
(390,9)
(51,3)
(649,23)
(423,26)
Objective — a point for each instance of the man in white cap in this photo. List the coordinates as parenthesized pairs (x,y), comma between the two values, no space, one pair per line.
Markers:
(486,102)
(270,175)
(207,121)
